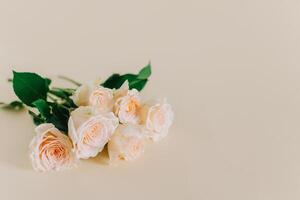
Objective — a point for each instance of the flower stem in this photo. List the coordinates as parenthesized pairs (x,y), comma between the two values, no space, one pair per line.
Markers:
(52,98)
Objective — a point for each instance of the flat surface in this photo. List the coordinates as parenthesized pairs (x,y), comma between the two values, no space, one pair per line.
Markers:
(229,68)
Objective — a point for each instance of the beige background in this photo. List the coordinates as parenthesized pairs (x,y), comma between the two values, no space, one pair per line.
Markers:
(230,69)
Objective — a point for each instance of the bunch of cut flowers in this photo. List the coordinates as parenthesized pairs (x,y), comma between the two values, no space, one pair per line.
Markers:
(78,123)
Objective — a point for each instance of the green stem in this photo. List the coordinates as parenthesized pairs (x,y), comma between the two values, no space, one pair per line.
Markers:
(66,101)
(70,80)
(61,105)
(65,107)
(62,96)
(52,98)
(64,89)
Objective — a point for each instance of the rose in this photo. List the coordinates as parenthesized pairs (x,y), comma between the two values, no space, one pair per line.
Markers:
(51,150)
(127,108)
(157,118)
(127,105)
(127,143)
(100,98)
(89,132)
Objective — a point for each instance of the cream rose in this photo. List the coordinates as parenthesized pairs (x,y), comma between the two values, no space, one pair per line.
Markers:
(127,104)
(51,150)
(127,143)
(100,98)
(157,118)
(89,132)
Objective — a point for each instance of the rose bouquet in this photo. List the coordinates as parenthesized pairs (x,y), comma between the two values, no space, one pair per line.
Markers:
(78,123)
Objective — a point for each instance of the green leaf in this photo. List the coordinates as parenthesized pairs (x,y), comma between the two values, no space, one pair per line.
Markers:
(145,72)
(14,105)
(138,84)
(137,81)
(112,81)
(48,81)
(37,119)
(59,117)
(30,87)
(57,114)
(43,108)
(126,77)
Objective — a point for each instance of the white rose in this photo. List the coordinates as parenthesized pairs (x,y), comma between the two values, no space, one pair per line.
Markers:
(100,98)
(127,104)
(127,143)
(51,150)
(89,132)
(157,118)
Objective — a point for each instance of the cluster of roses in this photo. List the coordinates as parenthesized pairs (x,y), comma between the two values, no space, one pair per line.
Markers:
(104,117)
